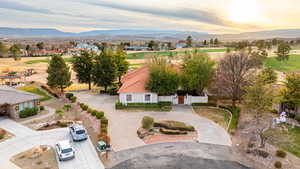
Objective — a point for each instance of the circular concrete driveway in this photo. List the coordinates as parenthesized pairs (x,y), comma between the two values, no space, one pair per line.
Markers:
(123,125)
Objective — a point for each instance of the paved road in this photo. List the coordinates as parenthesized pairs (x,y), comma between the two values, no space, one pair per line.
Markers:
(25,138)
(123,125)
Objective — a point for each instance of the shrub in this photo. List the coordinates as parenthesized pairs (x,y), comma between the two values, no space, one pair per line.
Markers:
(235,111)
(94,112)
(28,112)
(104,121)
(42,108)
(262,153)
(84,107)
(297,117)
(174,125)
(147,122)
(119,105)
(291,115)
(274,111)
(89,110)
(73,99)
(104,130)
(69,95)
(165,103)
(205,104)
(67,107)
(99,115)
(172,132)
(103,125)
(112,91)
(2,133)
(278,164)
(281,153)
(62,124)
(1,137)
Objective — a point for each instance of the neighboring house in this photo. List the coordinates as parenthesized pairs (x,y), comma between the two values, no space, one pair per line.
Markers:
(12,101)
(85,46)
(133,91)
(181,44)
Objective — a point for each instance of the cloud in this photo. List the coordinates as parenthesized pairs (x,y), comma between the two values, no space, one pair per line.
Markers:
(8,4)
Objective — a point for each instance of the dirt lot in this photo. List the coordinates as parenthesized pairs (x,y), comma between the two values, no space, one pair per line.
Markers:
(41,157)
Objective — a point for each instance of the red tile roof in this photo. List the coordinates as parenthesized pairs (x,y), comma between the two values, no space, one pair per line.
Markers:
(135,81)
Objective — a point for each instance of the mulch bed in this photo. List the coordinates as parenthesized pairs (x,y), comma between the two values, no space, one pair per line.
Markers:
(158,138)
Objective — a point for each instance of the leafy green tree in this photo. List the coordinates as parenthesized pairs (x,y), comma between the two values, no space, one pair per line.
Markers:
(283,51)
(120,59)
(15,50)
(104,71)
(189,41)
(83,66)
(197,72)
(216,41)
(3,49)
(152,45)
(205,42)
(59,75)
(291,93)
(163,79)
(268,76)
(40,45)
(211,41)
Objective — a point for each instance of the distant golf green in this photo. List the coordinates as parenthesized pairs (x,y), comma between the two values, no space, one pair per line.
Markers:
(284,66)
(45,61)
(141,55)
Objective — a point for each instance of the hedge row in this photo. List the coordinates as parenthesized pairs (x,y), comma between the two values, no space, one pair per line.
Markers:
(174,125)
(50,91)
(172,132)
(162,106)
(235,111)
(28,112)
(205,104)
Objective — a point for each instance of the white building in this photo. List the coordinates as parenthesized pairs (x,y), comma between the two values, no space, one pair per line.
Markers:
(133,91)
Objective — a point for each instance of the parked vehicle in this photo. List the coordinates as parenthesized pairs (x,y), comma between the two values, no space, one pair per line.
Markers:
(64,150)
(78,132)
(102,146)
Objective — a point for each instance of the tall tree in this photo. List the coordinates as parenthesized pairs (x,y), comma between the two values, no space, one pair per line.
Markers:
(189,41)
(28,48)
(40,45)
(59,75)
(3,49)
(268,76)
(83,66)
(152,45)
(120,59)
(15,50)
(211,41)
(197,72)
(104,71)
(205,42)
(283,51)
(216,41)
(259,98)
(234,73)
(291,93)
(163,79)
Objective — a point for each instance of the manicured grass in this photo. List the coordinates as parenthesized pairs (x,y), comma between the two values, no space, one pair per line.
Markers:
(46,61)
(35,90)
(288,140)
(137,65)
(142,55)
(219,116)
(284,66)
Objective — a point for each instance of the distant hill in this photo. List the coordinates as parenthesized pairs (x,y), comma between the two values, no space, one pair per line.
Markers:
(6,32)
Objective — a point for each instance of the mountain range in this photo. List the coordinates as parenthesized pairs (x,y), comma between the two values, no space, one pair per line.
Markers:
(6,32)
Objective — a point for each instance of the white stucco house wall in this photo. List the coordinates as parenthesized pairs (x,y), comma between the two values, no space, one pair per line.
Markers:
(133,91)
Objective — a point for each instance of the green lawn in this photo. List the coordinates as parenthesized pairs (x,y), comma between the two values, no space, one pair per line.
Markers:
(284,66)
(35,90)
(141,55)
(288,140)
(46,61)
(136,65)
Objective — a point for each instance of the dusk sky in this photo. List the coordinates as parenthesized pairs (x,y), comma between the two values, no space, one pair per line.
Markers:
(213,16)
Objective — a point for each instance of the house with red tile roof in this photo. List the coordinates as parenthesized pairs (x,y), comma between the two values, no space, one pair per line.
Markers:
(133,90)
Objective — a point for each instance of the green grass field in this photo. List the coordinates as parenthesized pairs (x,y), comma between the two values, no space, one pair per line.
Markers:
(35,90)
(141,55)
(68,60)
(284,66)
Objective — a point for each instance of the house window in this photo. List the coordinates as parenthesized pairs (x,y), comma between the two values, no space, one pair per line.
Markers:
(129,97)
(147,97)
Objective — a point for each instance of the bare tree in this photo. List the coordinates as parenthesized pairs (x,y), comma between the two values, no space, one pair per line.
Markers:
(234,73)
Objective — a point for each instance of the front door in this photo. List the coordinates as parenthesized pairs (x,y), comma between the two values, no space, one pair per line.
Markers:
(180,99)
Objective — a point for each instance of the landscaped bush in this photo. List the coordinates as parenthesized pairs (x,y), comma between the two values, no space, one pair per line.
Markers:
(147,106)
(28,112)
(2,134)
(147,122)
(274,111)
(281,153)
(69,95)
(94,112)
(172,132)
(50,91)
(262,153)
(165,103)
(103,130)
(73,99)
(205,104)
(112,91)
(89,110)
(174,125)
(278,164)
(119,105)
(83,106)
(104,121)
(291,115)
(99,115)
(235,111)
(297,117)
(42,108)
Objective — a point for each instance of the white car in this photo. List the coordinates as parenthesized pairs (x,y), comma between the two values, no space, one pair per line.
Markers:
(78,132)
(64,150)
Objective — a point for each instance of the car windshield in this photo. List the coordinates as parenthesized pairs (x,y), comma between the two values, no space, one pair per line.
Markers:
(67,150)
(80,132)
